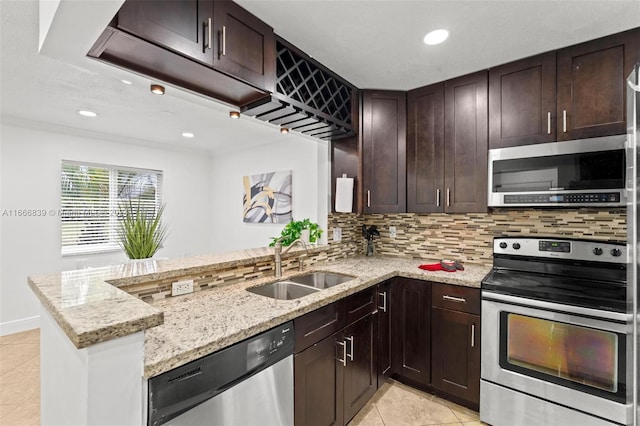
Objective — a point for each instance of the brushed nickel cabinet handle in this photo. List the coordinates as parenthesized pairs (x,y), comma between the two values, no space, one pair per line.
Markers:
(448,197)
(343,361)
(350,353)
(454,299)
(384,301)
(438,197)
(564,121)
(224,40)
(473,335)
(208,24)
(548,123)
(368,198)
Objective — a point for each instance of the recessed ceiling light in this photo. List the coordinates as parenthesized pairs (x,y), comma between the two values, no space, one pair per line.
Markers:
(234,114)
(127,82)
(86,113)
(156,89)
(284,130)
(187,134)
(436,37)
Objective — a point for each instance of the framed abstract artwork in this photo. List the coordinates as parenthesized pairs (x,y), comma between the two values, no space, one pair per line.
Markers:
(267,198)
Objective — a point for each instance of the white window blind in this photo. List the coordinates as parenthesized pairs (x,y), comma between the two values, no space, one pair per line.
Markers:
(91,198)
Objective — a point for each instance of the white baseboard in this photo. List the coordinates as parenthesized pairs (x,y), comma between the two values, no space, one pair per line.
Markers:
(17,326)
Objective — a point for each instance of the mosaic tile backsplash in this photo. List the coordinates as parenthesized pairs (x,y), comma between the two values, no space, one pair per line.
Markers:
(468,237)
(464,237)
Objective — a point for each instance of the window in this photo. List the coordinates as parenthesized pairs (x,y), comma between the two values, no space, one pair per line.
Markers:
(90,197)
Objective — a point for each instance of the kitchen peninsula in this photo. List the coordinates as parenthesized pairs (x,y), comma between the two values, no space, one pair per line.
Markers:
(115,341)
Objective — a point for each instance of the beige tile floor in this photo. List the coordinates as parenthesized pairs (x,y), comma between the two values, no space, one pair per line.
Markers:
(398,405)
(20,379)
(393,405)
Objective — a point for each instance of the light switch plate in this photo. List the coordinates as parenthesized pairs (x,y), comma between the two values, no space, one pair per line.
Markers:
(337,234)
(392,231)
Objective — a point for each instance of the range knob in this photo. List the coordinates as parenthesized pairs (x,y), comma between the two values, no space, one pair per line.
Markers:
(503,245)
(616,252)
(597,251)
(516,246)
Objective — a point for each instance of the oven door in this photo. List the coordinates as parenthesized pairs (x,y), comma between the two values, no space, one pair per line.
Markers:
(575,361)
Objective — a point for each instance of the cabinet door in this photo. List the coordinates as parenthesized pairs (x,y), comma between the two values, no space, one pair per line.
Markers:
(182,26)
(465,139)
(592,86)
(246,46)
(384,331)
(360,373)
(456,354)
(425,149)
(522,102)
(410,336)
(384,151)
(318,379)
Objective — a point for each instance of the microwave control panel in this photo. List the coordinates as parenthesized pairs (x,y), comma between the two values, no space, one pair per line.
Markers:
(582,198)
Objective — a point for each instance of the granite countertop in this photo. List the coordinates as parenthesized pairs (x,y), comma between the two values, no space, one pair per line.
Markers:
(201,323)
(90,308)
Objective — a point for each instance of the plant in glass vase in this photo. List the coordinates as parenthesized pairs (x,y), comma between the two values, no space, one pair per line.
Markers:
(141,231)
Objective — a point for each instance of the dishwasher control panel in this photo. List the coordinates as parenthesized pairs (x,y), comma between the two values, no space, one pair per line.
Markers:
(266,345)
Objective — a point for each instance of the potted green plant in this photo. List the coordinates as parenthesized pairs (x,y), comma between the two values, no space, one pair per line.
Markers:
(293,230)
(141,232)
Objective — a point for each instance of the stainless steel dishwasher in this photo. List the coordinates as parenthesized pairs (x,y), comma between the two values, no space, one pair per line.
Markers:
(249,383)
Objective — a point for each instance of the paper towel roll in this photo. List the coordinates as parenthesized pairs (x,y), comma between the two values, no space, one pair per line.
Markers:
(344,194)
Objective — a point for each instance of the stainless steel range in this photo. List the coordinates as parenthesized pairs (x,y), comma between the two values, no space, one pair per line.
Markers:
(556,334)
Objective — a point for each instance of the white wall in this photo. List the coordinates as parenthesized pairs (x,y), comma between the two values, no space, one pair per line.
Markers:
(309,161)
(30,179)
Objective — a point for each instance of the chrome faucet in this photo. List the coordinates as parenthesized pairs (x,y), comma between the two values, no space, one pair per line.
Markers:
(278,254)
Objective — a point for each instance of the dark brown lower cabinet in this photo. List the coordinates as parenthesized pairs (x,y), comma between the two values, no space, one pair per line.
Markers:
(455,343)
(410,331)
(317,385)
(360,366)
(456,355)
(336,376)
(384,331)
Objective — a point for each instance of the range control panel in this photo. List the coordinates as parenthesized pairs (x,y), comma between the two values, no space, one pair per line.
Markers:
(596,251)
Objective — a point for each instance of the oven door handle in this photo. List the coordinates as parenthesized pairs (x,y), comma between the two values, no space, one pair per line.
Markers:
(565,309)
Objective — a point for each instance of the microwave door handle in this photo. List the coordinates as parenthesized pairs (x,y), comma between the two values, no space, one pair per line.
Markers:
(556,189)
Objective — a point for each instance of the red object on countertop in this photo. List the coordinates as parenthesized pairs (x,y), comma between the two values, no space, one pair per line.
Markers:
(434,267)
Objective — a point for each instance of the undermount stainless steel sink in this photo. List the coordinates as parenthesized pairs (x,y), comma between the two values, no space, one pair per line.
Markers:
(283,290)
(321,280)
(300,286)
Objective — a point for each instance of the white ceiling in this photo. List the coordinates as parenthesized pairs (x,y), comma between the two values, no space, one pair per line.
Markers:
(373,44)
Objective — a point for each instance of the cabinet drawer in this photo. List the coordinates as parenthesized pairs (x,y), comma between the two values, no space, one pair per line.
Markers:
(318,324)
(360,305)
(456,298)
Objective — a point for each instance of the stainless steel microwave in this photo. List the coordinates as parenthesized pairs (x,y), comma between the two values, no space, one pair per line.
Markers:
(586,172)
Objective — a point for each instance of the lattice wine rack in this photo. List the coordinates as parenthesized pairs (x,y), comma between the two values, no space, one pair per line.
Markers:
(309,98)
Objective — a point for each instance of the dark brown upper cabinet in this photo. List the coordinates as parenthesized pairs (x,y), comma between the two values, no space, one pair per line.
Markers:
(465,144)
(221,34)
(215,48)
(182,26)
(574,93)
(383,147)
(591,85)
(246,46)
(522,102)
(425,149)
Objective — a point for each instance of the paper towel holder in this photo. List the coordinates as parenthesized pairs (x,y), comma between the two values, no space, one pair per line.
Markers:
(344,194)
